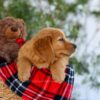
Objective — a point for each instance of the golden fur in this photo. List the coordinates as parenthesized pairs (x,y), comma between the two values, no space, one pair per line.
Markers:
(50,49)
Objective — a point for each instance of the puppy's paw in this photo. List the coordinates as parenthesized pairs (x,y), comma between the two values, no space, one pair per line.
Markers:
(58,73)
(58,78)
(24,77)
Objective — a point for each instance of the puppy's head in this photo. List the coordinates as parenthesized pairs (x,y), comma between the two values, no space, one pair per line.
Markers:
(52,44)
(12,28)
(61,45)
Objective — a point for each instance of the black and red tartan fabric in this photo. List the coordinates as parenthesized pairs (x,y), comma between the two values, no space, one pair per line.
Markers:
(40,86)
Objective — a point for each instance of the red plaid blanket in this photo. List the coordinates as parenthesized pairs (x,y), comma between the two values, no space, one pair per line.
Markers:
(41,86)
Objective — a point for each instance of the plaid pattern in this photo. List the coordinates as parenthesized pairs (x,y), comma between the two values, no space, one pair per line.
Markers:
(41,86)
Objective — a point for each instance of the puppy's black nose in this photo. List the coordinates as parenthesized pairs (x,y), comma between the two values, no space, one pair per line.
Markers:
(14,29)
(74,46)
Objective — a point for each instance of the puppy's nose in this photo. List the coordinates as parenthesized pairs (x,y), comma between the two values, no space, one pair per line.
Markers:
(14,29)
(74,46)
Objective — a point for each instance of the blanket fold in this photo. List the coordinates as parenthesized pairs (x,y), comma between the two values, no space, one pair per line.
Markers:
(40,86)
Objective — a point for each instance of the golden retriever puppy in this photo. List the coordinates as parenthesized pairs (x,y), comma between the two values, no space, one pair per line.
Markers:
(48,49)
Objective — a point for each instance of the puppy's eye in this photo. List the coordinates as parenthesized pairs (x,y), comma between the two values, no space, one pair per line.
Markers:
(61,39)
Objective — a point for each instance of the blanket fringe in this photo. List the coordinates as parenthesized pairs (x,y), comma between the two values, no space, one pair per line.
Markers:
(6,93)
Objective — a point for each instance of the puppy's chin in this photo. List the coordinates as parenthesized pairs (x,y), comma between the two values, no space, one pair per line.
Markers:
(71,55)
(62,55)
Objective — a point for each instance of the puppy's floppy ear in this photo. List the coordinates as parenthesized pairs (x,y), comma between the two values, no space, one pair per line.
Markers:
(43,48)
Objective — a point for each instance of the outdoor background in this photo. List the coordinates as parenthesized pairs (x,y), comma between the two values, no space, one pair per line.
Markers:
(80,20)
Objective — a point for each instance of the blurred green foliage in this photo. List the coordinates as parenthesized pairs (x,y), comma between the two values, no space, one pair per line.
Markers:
(36,18)
(83,66)
(97,13)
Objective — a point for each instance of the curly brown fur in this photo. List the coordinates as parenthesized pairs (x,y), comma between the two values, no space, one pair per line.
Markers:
(50,49)
(10,29)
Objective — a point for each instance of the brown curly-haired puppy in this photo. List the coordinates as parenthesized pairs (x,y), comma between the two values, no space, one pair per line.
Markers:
(50,49)
(10,29)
